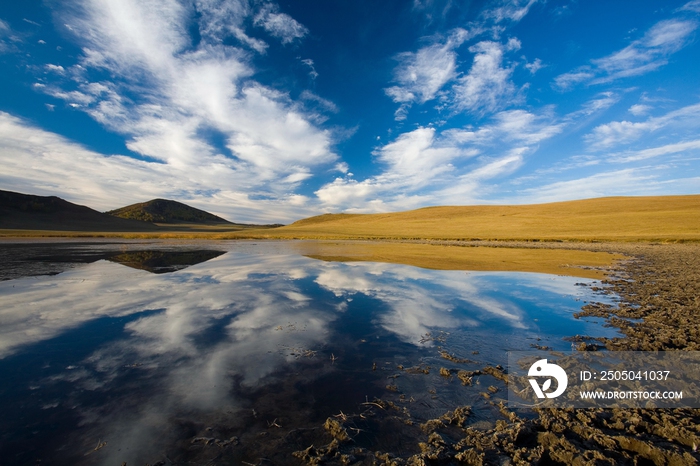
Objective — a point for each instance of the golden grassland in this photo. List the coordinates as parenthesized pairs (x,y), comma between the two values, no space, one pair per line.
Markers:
(658,218)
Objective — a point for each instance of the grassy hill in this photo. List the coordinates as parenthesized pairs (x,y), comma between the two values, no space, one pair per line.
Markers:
(168,212)
(649,218)
(28,212)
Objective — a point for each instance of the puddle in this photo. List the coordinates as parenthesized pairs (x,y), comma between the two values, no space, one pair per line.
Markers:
(241,351)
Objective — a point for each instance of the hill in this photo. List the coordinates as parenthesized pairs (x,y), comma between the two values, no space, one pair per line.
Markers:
(167,211)
(647,218)
(28,212)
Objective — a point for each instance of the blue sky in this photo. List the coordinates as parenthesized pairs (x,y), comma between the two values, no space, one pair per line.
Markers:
(271,112)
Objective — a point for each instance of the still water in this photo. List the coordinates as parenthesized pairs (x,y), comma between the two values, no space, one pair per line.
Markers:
(185,353)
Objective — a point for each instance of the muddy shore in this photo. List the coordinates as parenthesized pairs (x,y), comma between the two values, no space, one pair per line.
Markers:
(659,287)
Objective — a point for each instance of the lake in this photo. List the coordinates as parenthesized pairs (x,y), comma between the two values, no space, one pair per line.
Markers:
(227,352)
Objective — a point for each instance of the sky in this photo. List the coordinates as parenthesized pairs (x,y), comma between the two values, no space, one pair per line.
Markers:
(270,112)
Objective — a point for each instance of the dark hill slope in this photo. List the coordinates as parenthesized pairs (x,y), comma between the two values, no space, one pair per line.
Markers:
(29,212)
(166,211)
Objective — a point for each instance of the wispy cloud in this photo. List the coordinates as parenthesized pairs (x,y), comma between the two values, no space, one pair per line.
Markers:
(223,18)
(650,52)
(7,38)
(518,126)
(641,56)
(568,80)
(313,74)
(29,21)
(624,132)
(535,66)
(420,75)
(693,5)
(487,86)
(508,10)
(432,72)
(686,147)
(639,109)
(627,182)
(279,25)
(618,182)
(326,104)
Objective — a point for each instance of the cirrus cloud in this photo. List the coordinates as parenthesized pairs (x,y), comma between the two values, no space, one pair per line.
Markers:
(642,56)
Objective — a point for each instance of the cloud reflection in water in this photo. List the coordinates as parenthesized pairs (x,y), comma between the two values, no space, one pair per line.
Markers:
(233,325)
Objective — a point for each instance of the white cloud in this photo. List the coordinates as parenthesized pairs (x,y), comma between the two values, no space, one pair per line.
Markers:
(602,101)
(668,149)
(279,25)
(7,38)
(623,132)
(487,87)
(223,18)
(535,66)
(517,126)
(627,182)
(641,56)
(648,53)
(421,75)
(325,104)
(55,68)
(618,132)
(639,109)
(313,74)
(644,181)
(509,10)
(693,5)
(418,158)
(497,167)
(567,80)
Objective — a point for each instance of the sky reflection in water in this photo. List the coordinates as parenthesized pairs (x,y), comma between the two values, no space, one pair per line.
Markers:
(147,362)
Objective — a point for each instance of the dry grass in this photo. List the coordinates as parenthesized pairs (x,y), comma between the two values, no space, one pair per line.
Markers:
(576,263)
(659,218)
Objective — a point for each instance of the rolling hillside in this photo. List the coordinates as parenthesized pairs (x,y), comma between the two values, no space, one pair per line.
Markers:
(657,218)
(29,212)
(166,211)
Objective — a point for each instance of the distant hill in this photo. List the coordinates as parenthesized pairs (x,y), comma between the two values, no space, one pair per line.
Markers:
(643,218)
(166,211)
(28,212)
